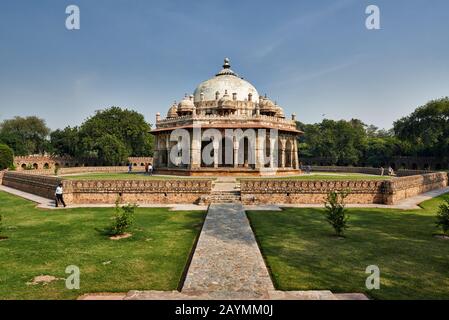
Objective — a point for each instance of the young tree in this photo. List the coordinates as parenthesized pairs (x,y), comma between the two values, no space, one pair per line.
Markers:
(335,212)
(443,217)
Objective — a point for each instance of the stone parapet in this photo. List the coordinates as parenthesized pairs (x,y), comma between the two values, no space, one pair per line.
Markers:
(409,186)
(269,191)
(136,191)
(43,186)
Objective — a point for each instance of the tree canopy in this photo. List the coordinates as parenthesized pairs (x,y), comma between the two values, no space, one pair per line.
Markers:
(25,135)
(111,135)
(6,157)
(427,129)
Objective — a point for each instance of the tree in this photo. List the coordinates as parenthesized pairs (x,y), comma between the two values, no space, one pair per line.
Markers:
(6,157)
(110,150)
(25,135)
(341,142)
(128,126)
(427,129)
(66,142)
(443,217)
(335,211)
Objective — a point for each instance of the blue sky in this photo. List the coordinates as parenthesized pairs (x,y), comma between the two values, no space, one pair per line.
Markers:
(314,57)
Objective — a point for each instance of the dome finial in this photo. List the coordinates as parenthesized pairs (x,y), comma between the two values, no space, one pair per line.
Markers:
(226,65)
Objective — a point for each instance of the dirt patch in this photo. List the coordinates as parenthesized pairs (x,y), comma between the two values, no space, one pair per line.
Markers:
(42,279)
(121,236)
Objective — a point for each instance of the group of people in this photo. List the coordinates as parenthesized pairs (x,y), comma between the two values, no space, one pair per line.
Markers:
(148,168)
(390,171)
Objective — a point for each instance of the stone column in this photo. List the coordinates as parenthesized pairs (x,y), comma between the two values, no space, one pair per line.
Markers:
(195,150)
(156,160)
(258,151)
(216,145)
(167,147)
(236,152)
(282,155)
(296,156)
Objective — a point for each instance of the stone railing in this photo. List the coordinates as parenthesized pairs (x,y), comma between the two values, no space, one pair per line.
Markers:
(269,191)
(366,170)
(409,186)
(43,186)
(136,191)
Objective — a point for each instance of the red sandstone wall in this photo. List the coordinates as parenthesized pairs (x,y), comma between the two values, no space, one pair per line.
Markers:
(271,191)
(409,186)
(137,191)
(43,186)
(361,192)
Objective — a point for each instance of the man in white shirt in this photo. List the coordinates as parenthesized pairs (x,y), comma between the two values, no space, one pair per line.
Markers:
(150,169)
(59,195)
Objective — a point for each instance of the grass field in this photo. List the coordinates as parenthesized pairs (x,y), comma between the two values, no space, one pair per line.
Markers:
(327,176)
(123,176)
(45,242)
(303,254)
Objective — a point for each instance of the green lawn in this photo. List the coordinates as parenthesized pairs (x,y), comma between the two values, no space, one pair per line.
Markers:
(326,176)
(302,253)
(45,242)
(122,176)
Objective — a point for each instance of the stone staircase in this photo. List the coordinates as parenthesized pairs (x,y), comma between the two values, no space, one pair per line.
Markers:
(225,197)
(224,190)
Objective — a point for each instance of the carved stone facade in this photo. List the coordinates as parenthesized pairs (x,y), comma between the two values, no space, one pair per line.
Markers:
(250,133)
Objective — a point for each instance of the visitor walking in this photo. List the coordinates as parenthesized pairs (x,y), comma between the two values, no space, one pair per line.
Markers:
(382,171)
(146,168)
(150,169)
(390,171)
(130,167)
(59,195)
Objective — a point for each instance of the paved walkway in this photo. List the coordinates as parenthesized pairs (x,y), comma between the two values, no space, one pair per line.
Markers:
(45,203)
(227,257)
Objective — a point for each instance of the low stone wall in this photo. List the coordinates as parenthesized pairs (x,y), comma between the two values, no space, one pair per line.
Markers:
(43,186)
(367,170)
(186,191)
(409,186)
(270,191)
(75,170)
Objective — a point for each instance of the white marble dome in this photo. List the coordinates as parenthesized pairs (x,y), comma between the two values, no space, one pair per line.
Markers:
(228,80)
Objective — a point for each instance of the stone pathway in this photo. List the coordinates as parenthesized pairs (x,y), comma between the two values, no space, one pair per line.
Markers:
(227,257)
(45,203)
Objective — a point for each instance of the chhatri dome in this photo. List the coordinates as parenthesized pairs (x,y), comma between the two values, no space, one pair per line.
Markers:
(226,79)
(225,102)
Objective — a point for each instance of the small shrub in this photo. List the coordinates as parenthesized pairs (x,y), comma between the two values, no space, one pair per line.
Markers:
(443,217)
(6,157)
(335,211)
(123,219)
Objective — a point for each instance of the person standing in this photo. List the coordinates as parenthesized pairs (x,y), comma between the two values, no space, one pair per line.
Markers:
(59,195)
(150,169)
(130,167)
